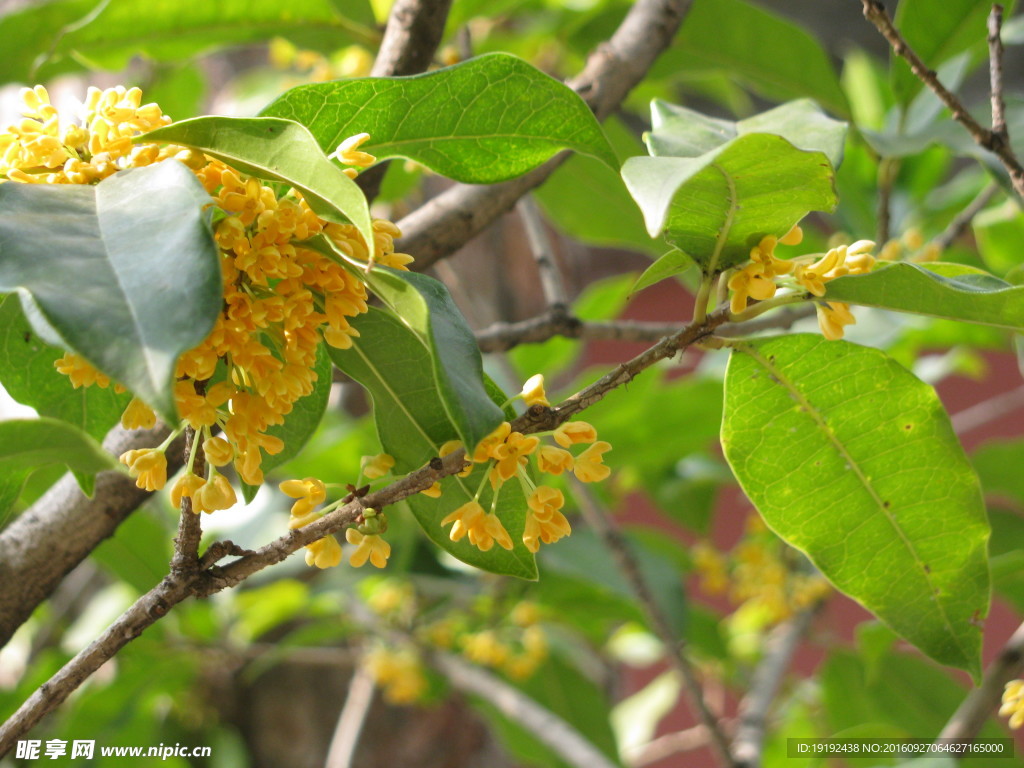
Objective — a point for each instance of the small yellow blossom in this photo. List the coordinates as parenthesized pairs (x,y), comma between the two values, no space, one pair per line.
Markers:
(368,547)
(709,563)
(1013,703)
(450,447)
(323,553)
(483,529)
(485,447)
(214,495)
(349,154)
(512,454)
(554,461)
(186,486)
(81,373)
(573,433)
(485,648)
(751,282)
(148,466)
(533,391)
(795,236)
(589,466)
(138,415)
(377,466)
(525,613)
(310,492)
(433,492)
(812,277)
(832,316)
(545,521)
(218,451)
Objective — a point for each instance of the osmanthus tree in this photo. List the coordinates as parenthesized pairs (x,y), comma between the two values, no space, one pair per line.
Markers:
(205,282)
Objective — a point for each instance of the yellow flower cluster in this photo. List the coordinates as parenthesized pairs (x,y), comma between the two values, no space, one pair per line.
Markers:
(279,299)
(399,673)
(353,61)
(1013,703)
(507,454)
(757,280)
(757,576)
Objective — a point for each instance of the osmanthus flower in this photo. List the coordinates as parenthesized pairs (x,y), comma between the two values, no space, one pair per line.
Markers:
(554,461)
(482,528)
(148,466)
(215,494)
(832,316)
(218,451)
(138,415)
(399,673)
(324,553)
(377,466)
(573,433)
(589,466)
(1013,703)
(368,547)
(512,455)
(533,391)
(280,300)
(751,282)
(544,520)
(309,492)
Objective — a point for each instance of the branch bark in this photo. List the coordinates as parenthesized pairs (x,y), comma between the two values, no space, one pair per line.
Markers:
(56,533)
(447,222)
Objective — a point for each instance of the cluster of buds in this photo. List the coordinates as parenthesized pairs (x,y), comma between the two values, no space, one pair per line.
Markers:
(507,454)
(762,277)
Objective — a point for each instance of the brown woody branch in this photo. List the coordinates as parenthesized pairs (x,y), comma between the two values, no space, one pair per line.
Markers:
(447,222)
(993,141)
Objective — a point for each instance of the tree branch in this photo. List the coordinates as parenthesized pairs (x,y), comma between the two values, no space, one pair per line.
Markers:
(447,222)
(962,220)
(970,716)
(995,68)
(675,646)
(994,142)
(753,711)
(351,720)
(544,254)
(56,533)
(185,560)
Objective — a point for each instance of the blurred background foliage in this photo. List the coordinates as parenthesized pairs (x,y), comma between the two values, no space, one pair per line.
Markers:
(260,673)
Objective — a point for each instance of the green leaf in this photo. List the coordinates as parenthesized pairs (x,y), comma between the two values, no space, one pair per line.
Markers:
(28,375)
(485,120)
(719,205)
(275,149)
(413,421)
(681,132)
(425,307)
(177,29)
(852,460)
(940,290)
(936,32)
(776,57)
(664,267)
(300,423)
(33,443)
(125,271)
(31,30)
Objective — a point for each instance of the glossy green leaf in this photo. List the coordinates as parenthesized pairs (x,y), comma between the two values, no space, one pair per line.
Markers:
(275,149)
(937,32)
(117,30)
(774,56)
(28,375)
(300,423)
(33,443)
(391,361)
(853,461)
(665,266)
(939,290)
(680,132)
(485,120)
(717,206)
(126,271)
(31,30)
(426,308)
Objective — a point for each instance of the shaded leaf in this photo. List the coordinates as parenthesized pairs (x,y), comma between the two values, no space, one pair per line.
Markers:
(35,28)
(413,421)
(940,290)
(103,265)
(772,55)
(852,460)
(275,149)
(485,120)
(177,29)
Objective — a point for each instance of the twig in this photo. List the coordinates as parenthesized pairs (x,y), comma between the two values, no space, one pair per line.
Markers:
(447,222)
(675,646)
(987,411)
(503,336)
(667,745)
(544,255)
(875,12)
(351,720)
(31,566)
(963,219)
(970,716)
(887,170)
(543,724)
(995,69)
(748,744)
(185,560)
